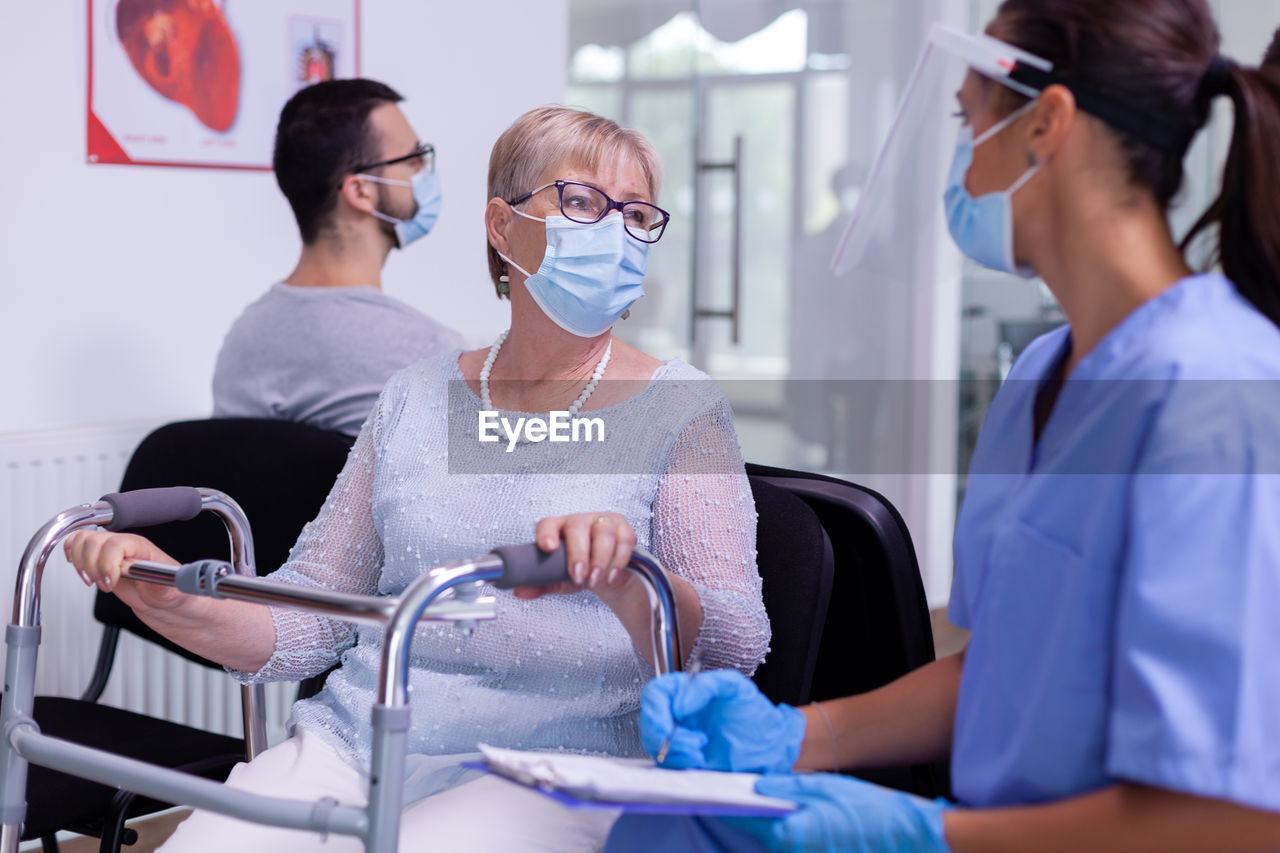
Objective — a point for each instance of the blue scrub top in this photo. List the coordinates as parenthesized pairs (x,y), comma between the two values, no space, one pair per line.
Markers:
(1122,576)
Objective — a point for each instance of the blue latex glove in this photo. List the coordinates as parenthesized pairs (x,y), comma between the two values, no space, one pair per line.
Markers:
(719,720)
(841,813)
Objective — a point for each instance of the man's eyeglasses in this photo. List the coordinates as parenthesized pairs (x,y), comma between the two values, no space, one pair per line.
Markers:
(586,204)
(424,152)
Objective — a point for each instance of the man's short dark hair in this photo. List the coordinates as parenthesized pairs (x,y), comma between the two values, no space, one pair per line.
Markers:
(324,134)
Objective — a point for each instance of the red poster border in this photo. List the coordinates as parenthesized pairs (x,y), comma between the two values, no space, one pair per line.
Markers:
(101,148)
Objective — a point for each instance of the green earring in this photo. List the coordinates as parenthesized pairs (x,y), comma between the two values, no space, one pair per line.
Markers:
(504,285)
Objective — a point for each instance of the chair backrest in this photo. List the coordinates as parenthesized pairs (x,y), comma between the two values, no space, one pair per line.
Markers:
(796,565)
(278,471)
(878,626)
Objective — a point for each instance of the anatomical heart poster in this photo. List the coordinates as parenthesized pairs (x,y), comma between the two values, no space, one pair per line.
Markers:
(201,82)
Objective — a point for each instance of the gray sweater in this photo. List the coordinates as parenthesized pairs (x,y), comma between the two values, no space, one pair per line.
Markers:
(320,355)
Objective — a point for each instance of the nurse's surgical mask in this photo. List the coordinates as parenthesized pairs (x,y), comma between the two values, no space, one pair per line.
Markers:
(590,273)
(983,227)
(425,184)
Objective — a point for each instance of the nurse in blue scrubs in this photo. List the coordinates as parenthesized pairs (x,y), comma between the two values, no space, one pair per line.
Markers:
(1117,555)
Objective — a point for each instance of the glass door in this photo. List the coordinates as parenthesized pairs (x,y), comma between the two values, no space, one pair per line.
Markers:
(723,115)
(745,227)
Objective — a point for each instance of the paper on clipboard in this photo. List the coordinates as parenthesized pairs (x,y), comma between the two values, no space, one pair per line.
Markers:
(634,784)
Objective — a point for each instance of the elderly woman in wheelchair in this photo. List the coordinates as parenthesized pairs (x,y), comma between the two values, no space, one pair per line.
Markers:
(570,221)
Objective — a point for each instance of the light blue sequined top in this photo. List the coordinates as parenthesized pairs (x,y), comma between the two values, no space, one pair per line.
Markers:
(559,672)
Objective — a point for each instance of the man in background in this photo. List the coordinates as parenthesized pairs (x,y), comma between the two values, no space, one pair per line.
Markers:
(319,346)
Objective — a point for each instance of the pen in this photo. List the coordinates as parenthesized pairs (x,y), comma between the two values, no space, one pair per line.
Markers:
(695,666)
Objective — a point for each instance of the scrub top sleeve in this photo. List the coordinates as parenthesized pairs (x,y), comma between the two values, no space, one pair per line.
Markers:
(1196,666)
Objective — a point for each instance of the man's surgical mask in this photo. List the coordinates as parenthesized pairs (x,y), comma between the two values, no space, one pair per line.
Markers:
(590,274)
(983,227)
(426,192)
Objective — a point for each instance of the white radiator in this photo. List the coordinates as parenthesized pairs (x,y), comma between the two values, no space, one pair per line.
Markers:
(41,474)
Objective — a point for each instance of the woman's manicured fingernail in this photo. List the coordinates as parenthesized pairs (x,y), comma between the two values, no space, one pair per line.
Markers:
(84,576)
(595,577)
(613,575)
(579,572)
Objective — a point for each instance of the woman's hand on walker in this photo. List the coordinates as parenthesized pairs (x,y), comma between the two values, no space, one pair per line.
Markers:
(597,549)
(101,558)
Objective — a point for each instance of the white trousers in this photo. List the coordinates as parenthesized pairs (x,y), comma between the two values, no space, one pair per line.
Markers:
(484,815)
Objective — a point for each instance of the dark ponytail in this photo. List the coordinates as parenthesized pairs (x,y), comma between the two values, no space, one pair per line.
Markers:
(1247,212)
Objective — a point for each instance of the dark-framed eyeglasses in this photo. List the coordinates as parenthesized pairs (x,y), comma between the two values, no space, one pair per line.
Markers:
(586,204)
(424,152)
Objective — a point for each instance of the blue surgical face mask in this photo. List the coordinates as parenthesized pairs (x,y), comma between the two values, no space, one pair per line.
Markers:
(983,227)
(590,274)
(426,192)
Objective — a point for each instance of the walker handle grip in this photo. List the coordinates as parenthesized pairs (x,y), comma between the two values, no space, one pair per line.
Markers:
(529,565)
(148,507)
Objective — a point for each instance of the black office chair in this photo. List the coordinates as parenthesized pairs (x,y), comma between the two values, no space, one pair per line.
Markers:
(878,625)
(797,565)
(279,472)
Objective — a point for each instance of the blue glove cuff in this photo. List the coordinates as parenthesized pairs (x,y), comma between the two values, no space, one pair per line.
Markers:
(931,813)
(794,723)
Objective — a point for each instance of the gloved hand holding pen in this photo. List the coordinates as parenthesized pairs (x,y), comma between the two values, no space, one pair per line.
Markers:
(718,721)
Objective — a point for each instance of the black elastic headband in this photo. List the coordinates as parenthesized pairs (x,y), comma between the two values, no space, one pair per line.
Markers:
(1159,131)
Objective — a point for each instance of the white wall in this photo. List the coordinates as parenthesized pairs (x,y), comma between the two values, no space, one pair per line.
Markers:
(119,281)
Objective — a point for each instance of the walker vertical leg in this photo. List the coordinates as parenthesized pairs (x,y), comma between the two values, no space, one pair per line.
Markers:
(19,701)
(386,778)
(254,711)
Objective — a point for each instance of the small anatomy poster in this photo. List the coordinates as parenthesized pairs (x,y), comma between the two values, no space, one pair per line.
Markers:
(201,82)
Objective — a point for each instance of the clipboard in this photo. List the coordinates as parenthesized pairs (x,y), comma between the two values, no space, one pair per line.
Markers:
(575,789)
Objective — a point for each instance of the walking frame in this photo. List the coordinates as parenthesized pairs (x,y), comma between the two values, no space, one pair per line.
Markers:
(378,823)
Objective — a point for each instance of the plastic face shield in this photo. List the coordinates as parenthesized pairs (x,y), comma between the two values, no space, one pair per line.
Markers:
(901,203)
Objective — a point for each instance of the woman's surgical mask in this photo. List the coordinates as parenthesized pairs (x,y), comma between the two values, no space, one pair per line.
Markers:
(425,184)
(590,274)
(983,227)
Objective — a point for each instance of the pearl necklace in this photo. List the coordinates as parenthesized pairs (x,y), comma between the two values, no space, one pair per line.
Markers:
(486,404)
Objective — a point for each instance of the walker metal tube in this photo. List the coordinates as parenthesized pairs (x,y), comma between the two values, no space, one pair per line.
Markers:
(253,696)
(361,609)
(26,599)
(22,639)
(391,708)
(663,618)
(171,785)
(393,682)
(397,638)
(19,699)
(391,715)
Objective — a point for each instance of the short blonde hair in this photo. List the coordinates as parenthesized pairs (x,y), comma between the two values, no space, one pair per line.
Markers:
(553,136)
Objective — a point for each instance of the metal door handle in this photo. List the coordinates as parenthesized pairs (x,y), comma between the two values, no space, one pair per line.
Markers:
(733,313)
